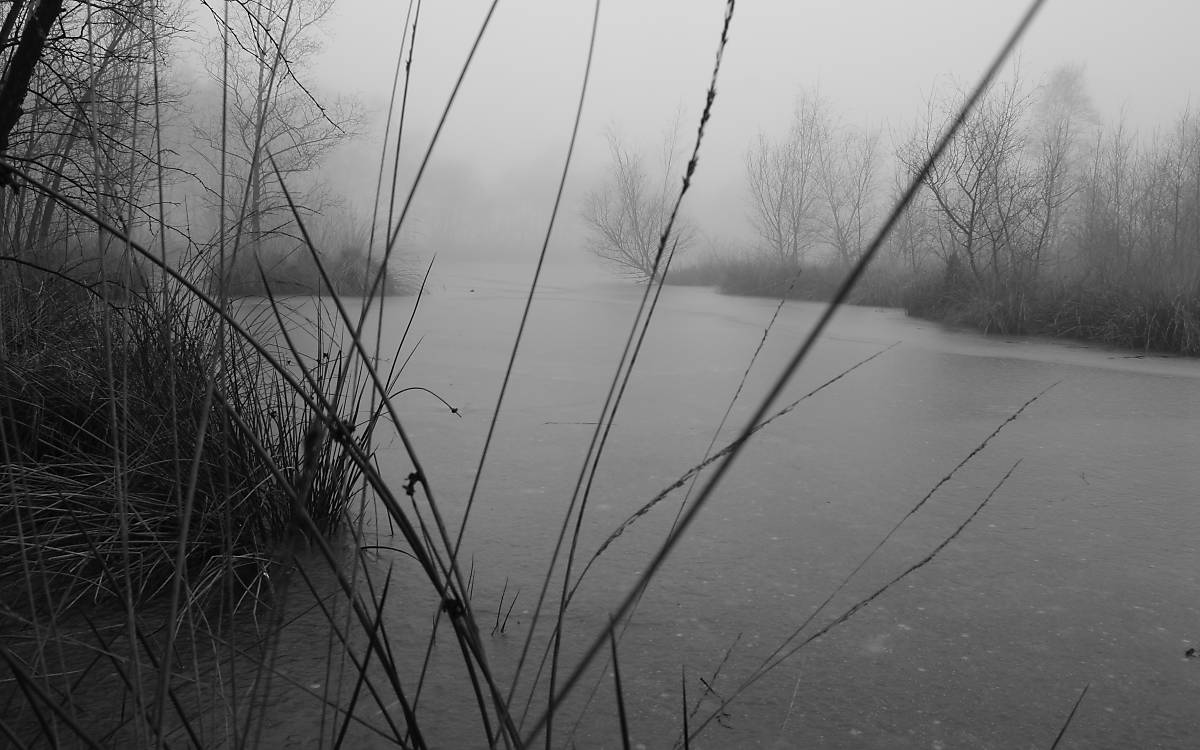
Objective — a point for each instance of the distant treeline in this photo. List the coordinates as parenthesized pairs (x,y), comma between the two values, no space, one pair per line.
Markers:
(1038,219)
(215,169)
(290,266)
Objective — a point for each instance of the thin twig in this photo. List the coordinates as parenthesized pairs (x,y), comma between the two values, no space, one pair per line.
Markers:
(710,98)
(858,606)
(1066,724)
(801,353)
(612,642)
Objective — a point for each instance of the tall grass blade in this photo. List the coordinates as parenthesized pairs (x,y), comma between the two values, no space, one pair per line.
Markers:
(620,692)
(896,527)
(802,352)
(776,659)
(596,446)
(1070,717)
(683,702)
(360,667)
(361,679)
(36,697)
(713,458)
(394,230)
(11,736)
(533,284)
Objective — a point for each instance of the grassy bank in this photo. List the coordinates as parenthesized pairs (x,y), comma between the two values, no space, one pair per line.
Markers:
(163,455)
(1138,313)
(130,420)
(176,462)
(339,262)
(755,275)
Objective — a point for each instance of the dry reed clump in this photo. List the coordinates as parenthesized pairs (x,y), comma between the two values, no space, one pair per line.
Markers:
(1139,317)
(108,432)
(760,274)
(1140,314)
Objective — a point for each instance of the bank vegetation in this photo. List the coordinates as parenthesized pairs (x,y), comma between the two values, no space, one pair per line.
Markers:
(1039,219)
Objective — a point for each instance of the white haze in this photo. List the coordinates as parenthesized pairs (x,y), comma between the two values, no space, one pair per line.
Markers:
(491,183)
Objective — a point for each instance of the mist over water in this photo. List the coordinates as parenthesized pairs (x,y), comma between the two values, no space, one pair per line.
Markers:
(877,62)
(941,539)
(1081,569)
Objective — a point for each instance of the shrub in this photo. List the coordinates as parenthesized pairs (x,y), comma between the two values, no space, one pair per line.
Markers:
(108,425)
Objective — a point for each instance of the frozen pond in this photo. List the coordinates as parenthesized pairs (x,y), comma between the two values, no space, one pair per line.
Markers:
(1082,569)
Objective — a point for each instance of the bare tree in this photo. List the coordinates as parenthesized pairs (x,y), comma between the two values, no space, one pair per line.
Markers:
(973,185)
(89,125)
(783,179)
(1104,226)
(1062,113)
(914,239)
(271,113)
(1166,213)
(1002,185)
(628,215)
(21,62)
(847,166)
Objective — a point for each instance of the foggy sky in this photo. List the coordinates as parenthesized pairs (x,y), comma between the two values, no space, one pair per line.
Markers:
(876,61)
